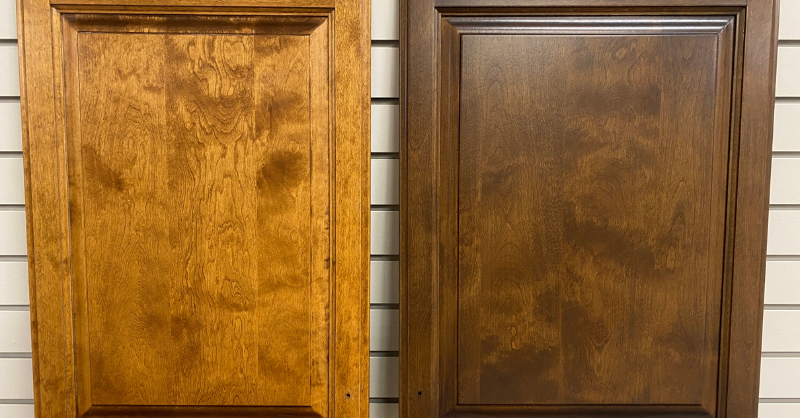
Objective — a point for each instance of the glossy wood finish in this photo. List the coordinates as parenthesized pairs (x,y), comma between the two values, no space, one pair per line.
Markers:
(198,220)
(573,203)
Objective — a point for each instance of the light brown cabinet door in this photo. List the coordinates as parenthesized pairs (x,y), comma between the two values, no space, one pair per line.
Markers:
(586,200)
(197,207)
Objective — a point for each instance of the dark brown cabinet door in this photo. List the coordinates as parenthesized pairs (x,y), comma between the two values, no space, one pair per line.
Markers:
(585,207)
(197,208)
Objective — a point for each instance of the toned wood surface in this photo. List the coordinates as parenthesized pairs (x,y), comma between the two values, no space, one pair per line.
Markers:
(589,229)
(571,241)
(209,267)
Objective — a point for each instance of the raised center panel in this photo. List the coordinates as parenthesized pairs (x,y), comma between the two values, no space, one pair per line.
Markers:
(591,179)
(198,165)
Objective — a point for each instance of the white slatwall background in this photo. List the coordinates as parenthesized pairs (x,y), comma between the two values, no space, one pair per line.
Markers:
(385,274)
(780,386)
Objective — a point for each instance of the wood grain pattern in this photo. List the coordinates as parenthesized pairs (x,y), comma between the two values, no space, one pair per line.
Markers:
(570,178)
(208,271)
(589,229)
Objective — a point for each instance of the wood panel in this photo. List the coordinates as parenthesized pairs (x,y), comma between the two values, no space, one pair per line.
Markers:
(607,246)
(216,222)
(568,242)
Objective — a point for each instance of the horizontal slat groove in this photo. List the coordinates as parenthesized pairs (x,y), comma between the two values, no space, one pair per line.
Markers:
(393,100)
(16,355)
(384,306)
(379,257)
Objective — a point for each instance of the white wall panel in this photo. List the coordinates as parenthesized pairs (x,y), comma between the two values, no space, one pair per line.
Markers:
(789,26)
(385,19)
(385,233)
(780,377)
(386,127)
(15,332)
(16,411)
(786,135)
(784,232)
(12,232)
(386,181)
(9,71)
(10,126)
(12,183)
(788,82)
(384,330)
(388,410)
(781,331)
(777,410)
(384,377)
(13,283)
(384,281)
(385,71)
(16,378)
(783,283)
(8,22)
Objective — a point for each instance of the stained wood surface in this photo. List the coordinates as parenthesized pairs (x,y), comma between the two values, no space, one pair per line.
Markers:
(196,167)
(589,228)
(568,243)
(216,222)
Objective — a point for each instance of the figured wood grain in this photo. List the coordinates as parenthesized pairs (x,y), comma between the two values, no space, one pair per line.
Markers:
(570,179)
(590,228)
(207,262)
(207,164)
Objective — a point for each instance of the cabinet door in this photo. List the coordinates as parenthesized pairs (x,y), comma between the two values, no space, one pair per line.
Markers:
(198,207)
(586,191)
